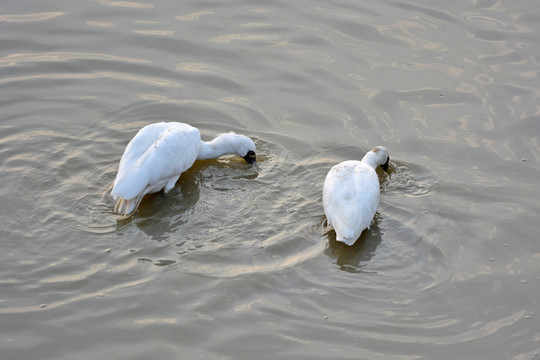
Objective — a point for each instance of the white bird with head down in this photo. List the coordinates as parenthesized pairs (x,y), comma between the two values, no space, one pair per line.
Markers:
(351,194)
(159,153)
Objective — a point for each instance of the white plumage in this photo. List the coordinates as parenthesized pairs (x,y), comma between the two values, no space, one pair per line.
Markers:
(351,194)
(159,153)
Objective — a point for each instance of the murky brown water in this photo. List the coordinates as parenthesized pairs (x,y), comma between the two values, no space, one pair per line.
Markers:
(235,262)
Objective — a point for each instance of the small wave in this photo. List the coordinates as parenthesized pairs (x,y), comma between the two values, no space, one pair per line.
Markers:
(408,179)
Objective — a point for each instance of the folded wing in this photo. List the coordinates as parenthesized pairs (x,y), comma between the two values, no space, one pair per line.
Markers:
(350,199)
(158,153)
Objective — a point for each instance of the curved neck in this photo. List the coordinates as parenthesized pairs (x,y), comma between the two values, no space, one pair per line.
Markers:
(371,159)
(214,149)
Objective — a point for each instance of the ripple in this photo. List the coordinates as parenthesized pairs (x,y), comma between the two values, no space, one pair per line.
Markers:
(76,298)
(16,59)
(313,55)
(152,81)
(486,22)
(30,17)
(217,191)
(99,229)
(165,262)
(155,32)
(228,38)
(484,79)
(413,180)
(126,4)
(363,49)
(202,68)
(100,24)
(215,266)
(193,16)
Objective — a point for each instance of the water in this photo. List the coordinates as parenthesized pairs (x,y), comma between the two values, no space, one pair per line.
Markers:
(235,262)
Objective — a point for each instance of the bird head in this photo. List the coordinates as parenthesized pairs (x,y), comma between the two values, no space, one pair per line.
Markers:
(239,144)
(378,156)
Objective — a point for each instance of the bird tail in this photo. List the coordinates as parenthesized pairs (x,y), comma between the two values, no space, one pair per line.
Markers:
(127,207)
(346,240)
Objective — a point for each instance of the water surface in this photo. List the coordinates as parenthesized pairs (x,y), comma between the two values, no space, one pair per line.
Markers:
(236,262)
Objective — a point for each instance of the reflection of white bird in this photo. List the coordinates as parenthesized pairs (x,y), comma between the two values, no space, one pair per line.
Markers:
(351,194)
(156,157)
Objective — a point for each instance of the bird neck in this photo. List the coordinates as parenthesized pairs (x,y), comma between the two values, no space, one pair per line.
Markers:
(215,148)
(371,159)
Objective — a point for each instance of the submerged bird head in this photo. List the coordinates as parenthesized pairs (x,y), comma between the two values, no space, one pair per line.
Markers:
(238,144)
(378,156)
(245,147)
(250,157)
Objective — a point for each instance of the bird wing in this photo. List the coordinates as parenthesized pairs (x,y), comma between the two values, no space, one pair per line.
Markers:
(158,151)
(350,198)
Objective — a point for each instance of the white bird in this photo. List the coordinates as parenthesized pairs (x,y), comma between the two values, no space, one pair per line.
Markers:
(351,194)
(159,153)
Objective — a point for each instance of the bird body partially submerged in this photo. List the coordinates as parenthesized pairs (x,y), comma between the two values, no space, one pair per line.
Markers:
(351,194)
(159,153)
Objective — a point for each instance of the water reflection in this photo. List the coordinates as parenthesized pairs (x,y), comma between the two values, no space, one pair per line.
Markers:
(156,82)
(57,56)
(161,215)
(29,17)
(127,4)
(354,258)
(193,16)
